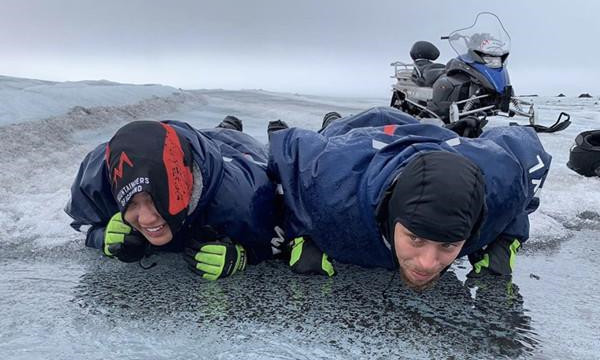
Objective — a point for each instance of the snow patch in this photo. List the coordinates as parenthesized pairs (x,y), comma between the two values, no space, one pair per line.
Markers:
(29,100)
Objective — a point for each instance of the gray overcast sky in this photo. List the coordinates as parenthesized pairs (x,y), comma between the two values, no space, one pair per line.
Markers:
(331,47)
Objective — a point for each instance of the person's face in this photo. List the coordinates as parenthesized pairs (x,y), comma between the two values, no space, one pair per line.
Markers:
(142,215)
(421,260)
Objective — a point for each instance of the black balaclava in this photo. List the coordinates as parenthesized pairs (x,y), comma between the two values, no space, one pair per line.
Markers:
(150,156)
(438,196)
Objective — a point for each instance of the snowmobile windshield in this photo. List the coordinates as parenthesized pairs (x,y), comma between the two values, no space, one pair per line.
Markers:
(486,36)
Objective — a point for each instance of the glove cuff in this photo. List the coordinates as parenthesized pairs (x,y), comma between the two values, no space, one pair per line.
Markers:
(242,259)
(499,258)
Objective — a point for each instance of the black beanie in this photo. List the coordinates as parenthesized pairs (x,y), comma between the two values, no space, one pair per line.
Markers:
(150,156)
(438,196)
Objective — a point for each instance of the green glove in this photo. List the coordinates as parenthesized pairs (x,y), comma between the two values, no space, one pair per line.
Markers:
(215,259)
(497,259)
(122,242)
(306,258)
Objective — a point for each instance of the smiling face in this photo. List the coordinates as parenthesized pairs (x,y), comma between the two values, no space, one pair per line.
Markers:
(143,216)
(421,261)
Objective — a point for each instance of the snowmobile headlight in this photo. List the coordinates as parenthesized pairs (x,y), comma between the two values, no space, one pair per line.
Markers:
(493,61)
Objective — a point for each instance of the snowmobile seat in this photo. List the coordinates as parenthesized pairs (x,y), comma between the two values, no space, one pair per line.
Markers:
(424,50)
(426,72)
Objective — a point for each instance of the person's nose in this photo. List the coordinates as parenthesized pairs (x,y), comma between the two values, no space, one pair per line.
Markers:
(428,260)
(147,215)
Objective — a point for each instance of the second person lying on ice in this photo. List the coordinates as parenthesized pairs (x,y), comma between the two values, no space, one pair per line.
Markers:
(380,189)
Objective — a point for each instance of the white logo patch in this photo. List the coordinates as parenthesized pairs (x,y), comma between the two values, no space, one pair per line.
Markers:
(453,142)
(378,144)
(536,182)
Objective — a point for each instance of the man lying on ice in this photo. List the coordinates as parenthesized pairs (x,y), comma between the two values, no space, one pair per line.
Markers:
(380,189)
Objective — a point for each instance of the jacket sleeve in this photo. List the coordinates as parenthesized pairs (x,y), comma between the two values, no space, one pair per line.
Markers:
(524,145)
(292,168)
(91,204)
(374,117)
(238,140)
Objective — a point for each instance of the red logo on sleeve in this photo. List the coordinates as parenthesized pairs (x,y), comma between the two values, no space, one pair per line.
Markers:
(389,129)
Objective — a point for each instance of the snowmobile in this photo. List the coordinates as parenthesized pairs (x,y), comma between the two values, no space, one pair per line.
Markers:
(473,84)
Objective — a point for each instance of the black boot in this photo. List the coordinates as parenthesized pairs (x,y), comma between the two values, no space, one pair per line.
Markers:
(276,126)
(329,118)
(231,122)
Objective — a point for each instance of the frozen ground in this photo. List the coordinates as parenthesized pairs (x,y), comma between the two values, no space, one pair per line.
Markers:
(63,301)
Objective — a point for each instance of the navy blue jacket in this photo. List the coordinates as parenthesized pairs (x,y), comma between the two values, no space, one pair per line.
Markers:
(333,181)
(238,199)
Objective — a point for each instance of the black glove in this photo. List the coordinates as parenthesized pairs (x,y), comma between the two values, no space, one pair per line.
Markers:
(215,259)
(497,259)
(122,242)
(469,126)
(306,258)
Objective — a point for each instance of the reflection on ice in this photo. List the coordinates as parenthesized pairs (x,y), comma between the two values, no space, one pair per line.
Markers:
(358,312)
